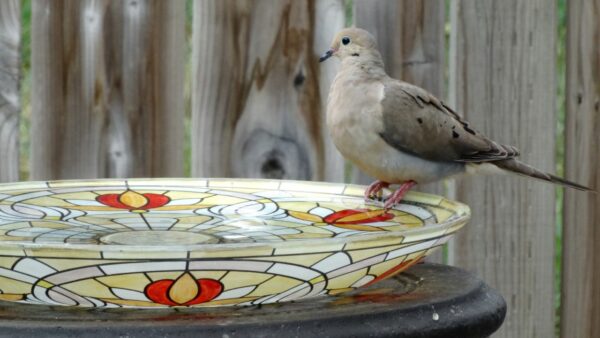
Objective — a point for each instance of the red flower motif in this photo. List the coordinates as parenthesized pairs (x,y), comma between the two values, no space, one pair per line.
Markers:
(133,201)
(184,291)
(358,216)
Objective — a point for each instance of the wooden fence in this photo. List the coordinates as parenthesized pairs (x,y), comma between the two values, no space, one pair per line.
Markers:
(108,100)
(10,37)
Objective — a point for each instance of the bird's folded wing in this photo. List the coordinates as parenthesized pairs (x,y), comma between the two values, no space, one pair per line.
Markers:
(416,122)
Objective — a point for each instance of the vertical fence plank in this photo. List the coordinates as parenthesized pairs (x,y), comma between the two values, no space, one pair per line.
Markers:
(581,267)
(258,91)
(145,134)
(329,19)
(505,85)
(410,36)
(107,88)
(10,105)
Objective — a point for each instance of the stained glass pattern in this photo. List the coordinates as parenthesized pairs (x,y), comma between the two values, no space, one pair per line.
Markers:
(163,243)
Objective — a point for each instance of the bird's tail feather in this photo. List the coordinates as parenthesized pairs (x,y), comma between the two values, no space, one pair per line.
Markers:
(521,168)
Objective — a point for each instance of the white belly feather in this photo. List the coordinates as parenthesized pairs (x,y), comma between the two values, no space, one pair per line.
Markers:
(354,120)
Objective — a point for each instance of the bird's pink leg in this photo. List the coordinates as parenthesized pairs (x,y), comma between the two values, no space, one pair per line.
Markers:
(397,195)
(374,189)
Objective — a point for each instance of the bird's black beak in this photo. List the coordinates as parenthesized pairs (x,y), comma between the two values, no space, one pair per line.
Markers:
(327,55)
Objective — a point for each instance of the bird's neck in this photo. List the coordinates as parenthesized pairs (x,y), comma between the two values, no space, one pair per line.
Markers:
(368,63)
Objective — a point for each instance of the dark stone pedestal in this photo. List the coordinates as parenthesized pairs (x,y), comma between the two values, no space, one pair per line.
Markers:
(428,300)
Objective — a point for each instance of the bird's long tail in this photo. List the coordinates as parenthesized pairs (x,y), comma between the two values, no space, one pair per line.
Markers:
(521,168)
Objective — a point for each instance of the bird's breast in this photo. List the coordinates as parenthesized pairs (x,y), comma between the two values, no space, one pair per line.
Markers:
(354,103)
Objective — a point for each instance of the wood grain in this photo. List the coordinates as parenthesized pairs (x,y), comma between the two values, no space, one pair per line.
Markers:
(108,88)
(580,305)
(10,102)
(410,37)
(258,91)
(504,80)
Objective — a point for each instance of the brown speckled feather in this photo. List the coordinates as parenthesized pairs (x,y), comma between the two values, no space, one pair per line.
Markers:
(418,123)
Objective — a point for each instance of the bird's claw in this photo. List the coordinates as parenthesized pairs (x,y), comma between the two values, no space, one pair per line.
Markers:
(375,190)
(398,195)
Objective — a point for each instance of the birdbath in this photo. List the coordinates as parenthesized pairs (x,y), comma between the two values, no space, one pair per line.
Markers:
(82,254)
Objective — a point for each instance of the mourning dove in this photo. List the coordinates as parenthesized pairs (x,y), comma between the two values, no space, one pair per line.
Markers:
(401,134)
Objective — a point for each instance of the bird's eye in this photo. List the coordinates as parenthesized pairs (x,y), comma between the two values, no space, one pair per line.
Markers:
(345,40)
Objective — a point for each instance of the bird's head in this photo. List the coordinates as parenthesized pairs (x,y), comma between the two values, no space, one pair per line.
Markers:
(351,42)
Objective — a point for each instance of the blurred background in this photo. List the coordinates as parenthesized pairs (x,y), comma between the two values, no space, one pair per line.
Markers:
(233,88)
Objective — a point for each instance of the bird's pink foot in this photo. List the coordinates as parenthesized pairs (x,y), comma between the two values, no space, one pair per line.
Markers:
(398,195)
(375,189)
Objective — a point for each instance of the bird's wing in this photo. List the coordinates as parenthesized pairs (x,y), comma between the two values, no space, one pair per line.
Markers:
(416,122)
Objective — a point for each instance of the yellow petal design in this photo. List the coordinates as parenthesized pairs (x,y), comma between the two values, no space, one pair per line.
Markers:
(184,289)
(133,199)
(305,216)
(11,297)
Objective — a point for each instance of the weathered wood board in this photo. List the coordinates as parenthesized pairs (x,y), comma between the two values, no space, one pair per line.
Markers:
(258,90)
(410,37)
(580,304)
(108,88)
(504,77)
(10,98)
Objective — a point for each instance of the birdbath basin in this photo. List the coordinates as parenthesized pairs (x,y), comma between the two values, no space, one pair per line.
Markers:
(206,242)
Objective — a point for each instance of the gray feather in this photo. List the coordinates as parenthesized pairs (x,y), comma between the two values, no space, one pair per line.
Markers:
(416,122)
(521,168)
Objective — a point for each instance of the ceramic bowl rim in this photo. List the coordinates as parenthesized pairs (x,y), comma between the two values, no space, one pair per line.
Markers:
(463,211)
